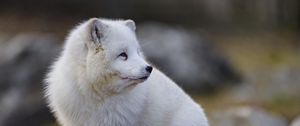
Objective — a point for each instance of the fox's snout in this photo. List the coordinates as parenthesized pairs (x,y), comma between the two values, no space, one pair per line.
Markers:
(149,69)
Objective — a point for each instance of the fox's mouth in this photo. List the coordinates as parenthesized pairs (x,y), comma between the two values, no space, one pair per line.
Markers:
(135,78)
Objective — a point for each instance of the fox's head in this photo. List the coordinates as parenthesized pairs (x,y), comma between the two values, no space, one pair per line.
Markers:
(108,54)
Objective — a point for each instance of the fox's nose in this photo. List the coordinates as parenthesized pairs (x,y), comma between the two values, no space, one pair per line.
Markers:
(149,69)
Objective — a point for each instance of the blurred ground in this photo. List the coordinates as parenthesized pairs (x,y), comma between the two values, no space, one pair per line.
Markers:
(270,69)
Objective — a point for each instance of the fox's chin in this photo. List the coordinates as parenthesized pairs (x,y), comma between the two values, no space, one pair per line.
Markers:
(134,80)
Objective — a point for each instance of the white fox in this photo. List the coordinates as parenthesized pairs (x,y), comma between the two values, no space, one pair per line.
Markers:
(102,79)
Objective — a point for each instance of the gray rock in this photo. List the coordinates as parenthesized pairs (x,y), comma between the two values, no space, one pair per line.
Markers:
(24,61)
(185,56)
(296,121)
(245,116)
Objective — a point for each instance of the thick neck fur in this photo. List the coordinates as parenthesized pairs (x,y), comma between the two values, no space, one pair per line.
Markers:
(119,109)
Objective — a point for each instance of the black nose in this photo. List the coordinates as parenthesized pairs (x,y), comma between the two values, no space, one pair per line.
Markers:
(149,69)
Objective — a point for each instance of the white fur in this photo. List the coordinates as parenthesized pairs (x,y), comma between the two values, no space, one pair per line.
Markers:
(85,85)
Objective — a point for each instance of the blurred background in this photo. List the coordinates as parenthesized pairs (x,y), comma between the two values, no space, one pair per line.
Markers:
(239,58)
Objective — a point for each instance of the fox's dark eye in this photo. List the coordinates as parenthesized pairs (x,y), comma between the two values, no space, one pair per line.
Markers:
(123,55)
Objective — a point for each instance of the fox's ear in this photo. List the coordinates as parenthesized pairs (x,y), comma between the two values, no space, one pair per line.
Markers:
(130,23)
(97,31)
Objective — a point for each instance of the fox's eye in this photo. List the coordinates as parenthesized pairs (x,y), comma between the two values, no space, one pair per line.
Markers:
(123,55)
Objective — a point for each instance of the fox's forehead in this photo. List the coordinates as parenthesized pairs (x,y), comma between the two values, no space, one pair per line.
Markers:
(120,31)
(118,34)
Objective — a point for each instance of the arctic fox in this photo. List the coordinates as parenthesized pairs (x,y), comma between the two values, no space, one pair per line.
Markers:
(102,79)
